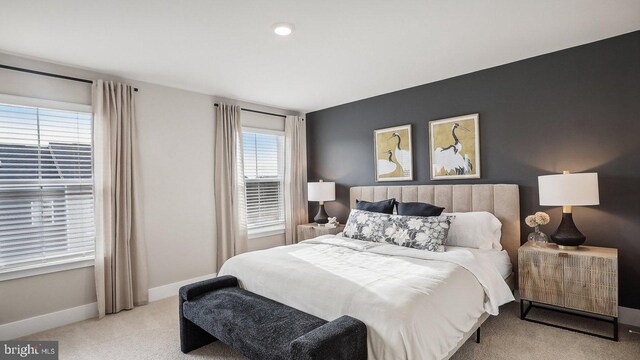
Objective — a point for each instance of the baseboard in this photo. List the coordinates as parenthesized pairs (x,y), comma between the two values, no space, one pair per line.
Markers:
(629,316)
(56,319)
(169,290)
(48,321)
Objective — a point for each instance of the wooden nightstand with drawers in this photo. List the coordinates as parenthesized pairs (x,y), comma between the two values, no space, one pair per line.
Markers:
(585,280)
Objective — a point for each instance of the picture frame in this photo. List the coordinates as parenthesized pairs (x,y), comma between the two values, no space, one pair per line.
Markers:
(393,153)
(454,148)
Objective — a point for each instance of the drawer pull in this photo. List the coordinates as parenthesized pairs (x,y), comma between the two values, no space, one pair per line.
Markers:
(563,254)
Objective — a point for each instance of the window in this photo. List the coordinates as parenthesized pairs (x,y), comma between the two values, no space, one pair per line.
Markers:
(46,186)
(264,179)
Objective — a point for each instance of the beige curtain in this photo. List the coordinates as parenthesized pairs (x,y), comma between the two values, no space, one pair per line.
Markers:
(120,267)
(230,206)
(295,176)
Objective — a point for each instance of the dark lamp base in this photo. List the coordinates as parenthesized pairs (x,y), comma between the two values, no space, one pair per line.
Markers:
(321,217)
(567,236)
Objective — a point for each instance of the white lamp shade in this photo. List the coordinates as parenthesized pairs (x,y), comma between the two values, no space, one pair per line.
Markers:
(321,191)
(569,189)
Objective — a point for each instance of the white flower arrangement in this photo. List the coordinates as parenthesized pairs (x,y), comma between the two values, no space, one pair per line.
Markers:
(537,219)
(332,223)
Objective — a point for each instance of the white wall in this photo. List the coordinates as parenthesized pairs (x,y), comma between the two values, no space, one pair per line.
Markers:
(176,150)
(175,129)
(176,142)
(176,137)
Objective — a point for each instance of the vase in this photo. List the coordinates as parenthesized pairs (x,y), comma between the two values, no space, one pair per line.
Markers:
(538,238)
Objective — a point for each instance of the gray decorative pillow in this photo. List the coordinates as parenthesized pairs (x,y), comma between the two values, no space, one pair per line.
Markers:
(425,233)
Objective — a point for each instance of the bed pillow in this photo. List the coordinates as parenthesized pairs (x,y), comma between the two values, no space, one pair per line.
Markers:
(384,206)
(418,209)
(418,232)
(477,229)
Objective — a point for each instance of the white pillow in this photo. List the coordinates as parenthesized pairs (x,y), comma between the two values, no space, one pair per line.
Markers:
(478,229)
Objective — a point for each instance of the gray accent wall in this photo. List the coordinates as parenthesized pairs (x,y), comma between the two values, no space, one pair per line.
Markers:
(577,109)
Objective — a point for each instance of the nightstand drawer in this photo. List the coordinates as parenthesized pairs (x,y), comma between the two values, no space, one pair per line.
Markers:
(541,277)
(591,284)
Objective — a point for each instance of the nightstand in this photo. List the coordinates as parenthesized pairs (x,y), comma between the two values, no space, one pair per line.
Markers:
(310,231)
(585,280)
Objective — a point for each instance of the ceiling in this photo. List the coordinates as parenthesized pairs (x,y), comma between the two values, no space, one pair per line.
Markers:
(340,51)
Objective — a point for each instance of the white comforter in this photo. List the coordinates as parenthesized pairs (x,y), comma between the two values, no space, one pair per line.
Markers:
(416,304)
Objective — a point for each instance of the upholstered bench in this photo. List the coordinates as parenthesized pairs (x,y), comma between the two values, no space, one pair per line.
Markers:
(260,328)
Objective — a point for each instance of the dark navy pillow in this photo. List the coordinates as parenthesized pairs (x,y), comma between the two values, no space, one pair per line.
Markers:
(418,209)
(384,206)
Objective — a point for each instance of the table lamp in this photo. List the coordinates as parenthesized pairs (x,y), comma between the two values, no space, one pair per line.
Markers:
(321,191)
(568,190)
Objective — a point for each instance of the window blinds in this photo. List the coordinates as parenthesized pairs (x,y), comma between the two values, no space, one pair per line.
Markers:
(264,178)
(46,186)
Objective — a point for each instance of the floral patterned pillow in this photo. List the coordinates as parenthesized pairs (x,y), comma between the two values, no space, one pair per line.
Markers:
(425,233)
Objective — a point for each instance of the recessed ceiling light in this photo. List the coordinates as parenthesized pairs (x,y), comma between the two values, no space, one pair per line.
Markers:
(283,29)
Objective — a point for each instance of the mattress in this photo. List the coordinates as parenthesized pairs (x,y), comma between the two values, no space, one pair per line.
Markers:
(498,258)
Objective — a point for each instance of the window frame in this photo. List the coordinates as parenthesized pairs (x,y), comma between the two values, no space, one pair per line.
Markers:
(277,229)
(54,266)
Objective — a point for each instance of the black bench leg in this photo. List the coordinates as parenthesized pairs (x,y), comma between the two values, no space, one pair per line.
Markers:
(191,335)
(478,336)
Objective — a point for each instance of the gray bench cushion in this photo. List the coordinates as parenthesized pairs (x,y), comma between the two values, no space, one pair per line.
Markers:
(260,328)
(263,324)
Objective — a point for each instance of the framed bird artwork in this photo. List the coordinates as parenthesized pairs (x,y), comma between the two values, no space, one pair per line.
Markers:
(454,148)
(393,154)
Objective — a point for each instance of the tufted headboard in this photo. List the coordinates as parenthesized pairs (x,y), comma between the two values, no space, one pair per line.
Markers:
(502,200)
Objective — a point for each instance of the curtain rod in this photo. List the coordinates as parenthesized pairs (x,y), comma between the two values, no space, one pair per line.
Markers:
(259,112)
(36,72)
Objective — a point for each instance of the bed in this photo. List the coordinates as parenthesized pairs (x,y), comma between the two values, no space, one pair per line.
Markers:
(416,304)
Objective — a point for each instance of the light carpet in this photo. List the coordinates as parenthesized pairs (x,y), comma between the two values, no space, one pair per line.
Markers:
(151,332)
